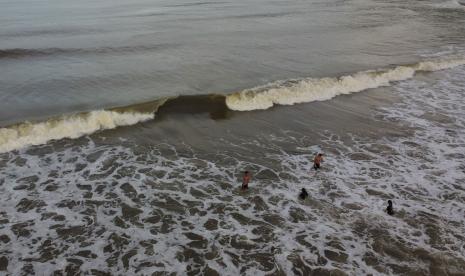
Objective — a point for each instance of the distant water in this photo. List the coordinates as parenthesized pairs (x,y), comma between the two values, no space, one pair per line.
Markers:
(125,127)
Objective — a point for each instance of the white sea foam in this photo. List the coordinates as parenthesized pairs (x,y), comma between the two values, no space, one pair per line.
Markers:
(73,126)
(311,89)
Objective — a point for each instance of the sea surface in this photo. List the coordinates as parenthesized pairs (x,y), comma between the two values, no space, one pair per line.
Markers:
(126,126)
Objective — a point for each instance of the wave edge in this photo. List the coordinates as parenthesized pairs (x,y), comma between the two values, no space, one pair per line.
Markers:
(311,89)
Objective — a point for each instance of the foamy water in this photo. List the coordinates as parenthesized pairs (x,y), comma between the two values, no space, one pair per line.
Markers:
(309,90)
(72,126)
(135,210)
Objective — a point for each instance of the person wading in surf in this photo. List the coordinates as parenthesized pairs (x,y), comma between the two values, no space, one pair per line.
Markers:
(245,180)
(317,161)
(389,208)
(303,194)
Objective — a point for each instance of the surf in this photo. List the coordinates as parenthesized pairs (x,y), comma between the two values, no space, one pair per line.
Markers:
(219,106)
(71,126)
(306,90)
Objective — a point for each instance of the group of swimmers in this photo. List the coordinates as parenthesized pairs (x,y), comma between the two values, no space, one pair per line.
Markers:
(303,193)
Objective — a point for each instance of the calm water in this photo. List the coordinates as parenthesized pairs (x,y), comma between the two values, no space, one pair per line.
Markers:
(104,170)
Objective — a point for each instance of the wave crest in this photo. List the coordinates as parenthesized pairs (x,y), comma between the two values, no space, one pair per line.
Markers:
(287,92)
(72,126)
(311,89)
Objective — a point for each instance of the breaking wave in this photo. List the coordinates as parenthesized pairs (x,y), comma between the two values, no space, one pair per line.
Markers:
(287,92)
(72,126)
(291,92)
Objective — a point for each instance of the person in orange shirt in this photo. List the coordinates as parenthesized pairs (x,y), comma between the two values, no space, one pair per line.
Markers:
(245,180)
(317,161)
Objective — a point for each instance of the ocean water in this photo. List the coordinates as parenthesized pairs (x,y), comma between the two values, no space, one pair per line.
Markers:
(125,128)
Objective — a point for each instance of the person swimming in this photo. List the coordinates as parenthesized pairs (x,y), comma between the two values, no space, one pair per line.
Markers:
(317,161)
(245,180)
(389,208)
(303,194)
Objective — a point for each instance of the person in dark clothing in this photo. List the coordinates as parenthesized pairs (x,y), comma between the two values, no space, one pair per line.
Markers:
(389,208)
(245,180)
(303,194)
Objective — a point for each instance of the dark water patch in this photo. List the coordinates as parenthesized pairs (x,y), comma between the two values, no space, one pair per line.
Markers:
(372,260)
(241,218)
(242,243)
(148,245)
(68,203)
(23,229)
(197,240)
(335,256)
(378,193)
(259,203)
(127,257)
(48,32)
(22,53)
(353,206)
(52,215)
(357,156)
(3,263)
(129,190)
(268,174)
(25,205)
(193,4)
(265,234)
(437,118)
(169,204)
(197,193)
(298,215)
(24,187)
(47,251)
(84,187)
(125,171)
(28,179)
(211,224)
(72,267)
(130,213)
(4,239)
(97,272)
(264,15)
(274,219)
(86,254)
(213,105)
(71,233)
(154,219)
(208,271)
